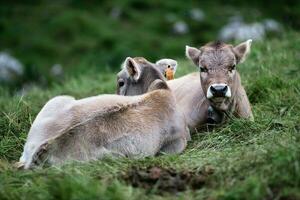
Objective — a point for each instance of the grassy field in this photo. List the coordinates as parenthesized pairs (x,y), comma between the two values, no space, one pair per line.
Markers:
(240,160)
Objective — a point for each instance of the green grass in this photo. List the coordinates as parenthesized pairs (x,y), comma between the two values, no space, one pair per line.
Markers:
(77,34)
(250,160)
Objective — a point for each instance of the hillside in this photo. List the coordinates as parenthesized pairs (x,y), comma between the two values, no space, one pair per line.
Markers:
(240,160)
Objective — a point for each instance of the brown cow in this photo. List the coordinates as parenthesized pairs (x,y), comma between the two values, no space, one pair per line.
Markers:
(205,96)
(219,80)
(88,129)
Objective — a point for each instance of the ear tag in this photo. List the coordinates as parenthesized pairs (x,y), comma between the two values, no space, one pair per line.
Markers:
(169,73)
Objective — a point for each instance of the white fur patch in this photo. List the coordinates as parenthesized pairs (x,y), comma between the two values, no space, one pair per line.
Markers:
(247,51)
(187,51)
(228,93)
(209,94)
(248,46)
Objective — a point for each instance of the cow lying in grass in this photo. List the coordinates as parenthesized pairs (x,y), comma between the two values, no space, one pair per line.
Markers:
(221,91)
(216,91)
(88,129)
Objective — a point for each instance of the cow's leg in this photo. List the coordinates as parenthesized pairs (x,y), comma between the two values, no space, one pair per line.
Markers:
(174,146)
(243,107)
(94,154)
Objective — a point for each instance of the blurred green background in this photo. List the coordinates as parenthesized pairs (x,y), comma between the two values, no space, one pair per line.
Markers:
(93,36)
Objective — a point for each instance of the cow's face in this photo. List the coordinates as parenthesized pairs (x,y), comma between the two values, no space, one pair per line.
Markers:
(217,62)
(136,76)
(167,67)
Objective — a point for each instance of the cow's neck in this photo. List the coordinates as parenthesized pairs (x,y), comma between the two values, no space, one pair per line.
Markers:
(215,116)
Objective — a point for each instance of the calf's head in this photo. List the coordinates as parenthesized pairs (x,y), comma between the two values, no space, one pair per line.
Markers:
(217,62)
(167,66)
(139,76)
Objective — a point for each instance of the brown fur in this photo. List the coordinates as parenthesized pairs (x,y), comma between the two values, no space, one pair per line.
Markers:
(217,62)
(194,103)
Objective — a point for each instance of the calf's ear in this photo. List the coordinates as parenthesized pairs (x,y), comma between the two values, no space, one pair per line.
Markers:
(193,54)
(160,65)
(175,65)
(242,50)
(132,68)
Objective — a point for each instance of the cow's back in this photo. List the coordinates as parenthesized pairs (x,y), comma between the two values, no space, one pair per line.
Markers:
(190,98)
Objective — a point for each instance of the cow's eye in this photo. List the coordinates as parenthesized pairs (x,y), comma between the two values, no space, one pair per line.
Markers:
(121,83)
(203,69)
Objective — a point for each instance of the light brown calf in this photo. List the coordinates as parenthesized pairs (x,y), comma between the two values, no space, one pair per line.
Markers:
(88,129)
(216,91)
(219,80)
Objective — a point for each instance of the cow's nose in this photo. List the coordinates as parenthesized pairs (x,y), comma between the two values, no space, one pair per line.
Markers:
(218,90)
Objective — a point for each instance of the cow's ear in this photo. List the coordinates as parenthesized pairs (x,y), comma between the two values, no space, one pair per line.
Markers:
(175,65)
(132,68)
(161,65)
(193,54)
(242,50)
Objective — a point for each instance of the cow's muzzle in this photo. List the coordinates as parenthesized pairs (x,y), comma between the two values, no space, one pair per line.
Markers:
(218,90)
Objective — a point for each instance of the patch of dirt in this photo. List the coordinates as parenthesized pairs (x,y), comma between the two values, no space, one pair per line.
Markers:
(160,180)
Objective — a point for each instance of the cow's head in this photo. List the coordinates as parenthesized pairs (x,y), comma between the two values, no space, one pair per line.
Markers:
(167,67)
(217,62)
(139,76)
